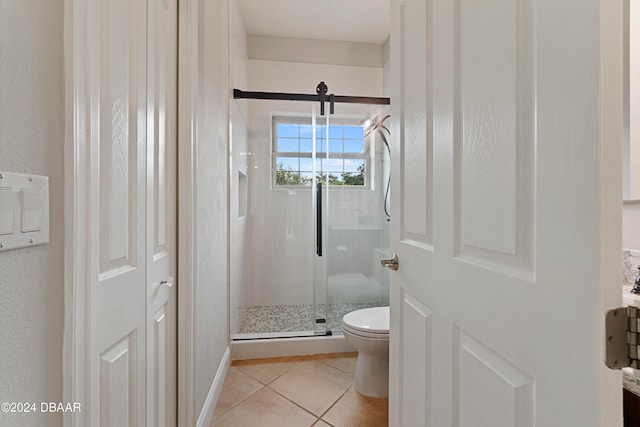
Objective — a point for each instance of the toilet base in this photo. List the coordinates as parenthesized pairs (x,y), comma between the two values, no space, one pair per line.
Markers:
(372,375)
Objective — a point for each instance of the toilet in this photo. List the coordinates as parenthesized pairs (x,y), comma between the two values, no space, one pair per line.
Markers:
(368,331)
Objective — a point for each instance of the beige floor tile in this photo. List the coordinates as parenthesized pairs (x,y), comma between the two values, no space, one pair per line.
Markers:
(265,409)
(344,361)
(313,385)
(321,423)
(267,370)
(354,409)
(237,387)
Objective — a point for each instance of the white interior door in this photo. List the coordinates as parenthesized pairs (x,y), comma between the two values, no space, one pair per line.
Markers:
(126,204)
(505,212)
(116,213)
(161,213)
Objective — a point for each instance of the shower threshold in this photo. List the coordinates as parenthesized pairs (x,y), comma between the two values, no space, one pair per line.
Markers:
(274,335)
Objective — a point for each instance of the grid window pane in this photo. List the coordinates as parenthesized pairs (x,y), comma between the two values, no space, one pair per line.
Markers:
(306,178)
(306,131)
(336,165)
(335,131)
(288,178)
(353,132)
(306,164)
(287,130)
(335,146)
(354,146)
(306,145)
(288,145)
(353,165)
(353,178)
(287,163)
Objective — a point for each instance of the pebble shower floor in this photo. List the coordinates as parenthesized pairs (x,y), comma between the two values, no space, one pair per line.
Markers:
(296,317)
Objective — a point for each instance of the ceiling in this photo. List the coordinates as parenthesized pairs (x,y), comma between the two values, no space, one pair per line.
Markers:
(364,21)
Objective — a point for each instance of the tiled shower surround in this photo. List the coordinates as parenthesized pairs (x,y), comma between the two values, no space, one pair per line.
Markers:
(298,317)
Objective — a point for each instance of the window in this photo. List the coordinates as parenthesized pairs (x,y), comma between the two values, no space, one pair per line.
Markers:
(346,164)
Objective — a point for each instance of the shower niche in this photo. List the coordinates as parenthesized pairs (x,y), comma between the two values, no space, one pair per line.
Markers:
(316,220)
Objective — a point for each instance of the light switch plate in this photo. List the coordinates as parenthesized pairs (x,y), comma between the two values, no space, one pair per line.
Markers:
(24,210)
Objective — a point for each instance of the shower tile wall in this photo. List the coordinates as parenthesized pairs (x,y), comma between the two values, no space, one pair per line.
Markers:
(281,230)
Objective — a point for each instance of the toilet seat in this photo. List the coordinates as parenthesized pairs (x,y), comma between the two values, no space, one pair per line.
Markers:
(374,335)
(368,322)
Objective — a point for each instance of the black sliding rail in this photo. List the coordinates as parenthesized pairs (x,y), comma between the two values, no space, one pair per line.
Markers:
(319,219)
(320,96)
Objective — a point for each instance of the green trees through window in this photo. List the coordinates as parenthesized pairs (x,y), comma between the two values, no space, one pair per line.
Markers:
(287,176)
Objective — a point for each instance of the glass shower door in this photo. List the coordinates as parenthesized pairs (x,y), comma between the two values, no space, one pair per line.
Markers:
(320,209)
(354,169)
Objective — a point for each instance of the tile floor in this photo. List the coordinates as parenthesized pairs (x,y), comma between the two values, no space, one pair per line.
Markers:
(296,391)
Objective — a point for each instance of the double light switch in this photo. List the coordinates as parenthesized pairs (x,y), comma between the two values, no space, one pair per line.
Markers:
(24,210)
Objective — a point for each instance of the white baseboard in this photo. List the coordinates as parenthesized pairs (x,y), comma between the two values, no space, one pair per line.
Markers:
(204,419)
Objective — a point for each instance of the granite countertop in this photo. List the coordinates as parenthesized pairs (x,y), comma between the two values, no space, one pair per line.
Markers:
(631,381)
(628,298)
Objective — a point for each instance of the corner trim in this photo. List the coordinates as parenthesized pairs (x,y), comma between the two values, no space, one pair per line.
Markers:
(77,205)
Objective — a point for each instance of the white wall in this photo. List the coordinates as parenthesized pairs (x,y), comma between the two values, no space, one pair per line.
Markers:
(634,100)
(386,85)
(239,154)
(281,229)
(631,225)
(328,52)
(32,141)
(210,317)
(631,211)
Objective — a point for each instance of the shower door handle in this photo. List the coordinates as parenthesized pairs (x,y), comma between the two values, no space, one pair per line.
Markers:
(319,219)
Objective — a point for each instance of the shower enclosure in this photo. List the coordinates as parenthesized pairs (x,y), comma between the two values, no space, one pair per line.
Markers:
(309,218)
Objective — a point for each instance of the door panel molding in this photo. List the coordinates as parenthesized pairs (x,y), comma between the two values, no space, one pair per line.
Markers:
(490,385)
(494,148)
(416,128)
(416,350)
(118,387)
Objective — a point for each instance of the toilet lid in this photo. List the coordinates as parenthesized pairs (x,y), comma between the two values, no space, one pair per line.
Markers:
(371,320)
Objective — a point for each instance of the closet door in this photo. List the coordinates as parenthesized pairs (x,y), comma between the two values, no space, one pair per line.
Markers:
(116,216)
(161,213)
(123,336)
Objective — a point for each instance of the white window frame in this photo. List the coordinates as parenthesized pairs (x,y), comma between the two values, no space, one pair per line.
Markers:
(339,121)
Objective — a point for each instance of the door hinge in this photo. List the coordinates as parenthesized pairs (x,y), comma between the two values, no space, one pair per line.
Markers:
(621,327)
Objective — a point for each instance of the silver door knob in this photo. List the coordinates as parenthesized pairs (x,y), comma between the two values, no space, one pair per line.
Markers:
(168,283)
(391,263)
